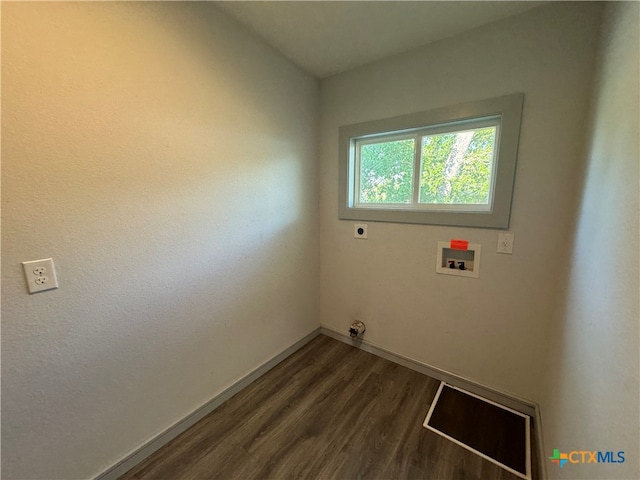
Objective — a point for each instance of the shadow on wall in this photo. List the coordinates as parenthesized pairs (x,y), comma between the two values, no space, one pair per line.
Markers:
(591,395)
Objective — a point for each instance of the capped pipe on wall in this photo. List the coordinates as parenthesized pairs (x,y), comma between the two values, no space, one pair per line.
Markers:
(357,328)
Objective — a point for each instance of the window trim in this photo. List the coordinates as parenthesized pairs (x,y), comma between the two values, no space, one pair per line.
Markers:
(508,108)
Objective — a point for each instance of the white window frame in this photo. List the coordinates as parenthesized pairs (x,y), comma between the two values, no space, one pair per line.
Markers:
(503,112)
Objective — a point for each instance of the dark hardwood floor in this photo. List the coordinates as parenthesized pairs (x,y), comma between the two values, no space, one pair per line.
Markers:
(329,411)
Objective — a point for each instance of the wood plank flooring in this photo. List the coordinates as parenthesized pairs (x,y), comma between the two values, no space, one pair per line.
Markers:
(329,411)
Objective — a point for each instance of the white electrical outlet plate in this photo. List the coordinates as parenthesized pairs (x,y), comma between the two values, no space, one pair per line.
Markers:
(360,231)
(505,243)
(40,275)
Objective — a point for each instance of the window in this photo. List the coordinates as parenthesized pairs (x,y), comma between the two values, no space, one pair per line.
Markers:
(452,166)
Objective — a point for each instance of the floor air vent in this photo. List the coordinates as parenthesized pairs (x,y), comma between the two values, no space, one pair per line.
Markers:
(493,431)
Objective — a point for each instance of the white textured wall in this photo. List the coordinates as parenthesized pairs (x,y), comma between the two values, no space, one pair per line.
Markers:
(493,329)
(166,161)
(592,394)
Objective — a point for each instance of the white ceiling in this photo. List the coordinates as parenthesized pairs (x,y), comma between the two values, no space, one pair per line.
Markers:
(328,37)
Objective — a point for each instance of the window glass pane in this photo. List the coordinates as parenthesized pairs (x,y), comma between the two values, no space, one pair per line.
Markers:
(456,167)
(386,172)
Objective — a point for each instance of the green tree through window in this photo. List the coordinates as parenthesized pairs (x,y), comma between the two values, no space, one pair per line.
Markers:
(455,168)
(386,172)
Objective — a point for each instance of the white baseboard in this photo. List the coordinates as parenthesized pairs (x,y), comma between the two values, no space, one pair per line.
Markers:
(512,401)
(172,432)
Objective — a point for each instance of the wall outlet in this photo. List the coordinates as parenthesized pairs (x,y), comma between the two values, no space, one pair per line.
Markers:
(360,231)
(505,243)
(40,275)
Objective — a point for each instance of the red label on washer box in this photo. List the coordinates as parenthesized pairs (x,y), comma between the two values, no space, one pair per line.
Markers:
(459,244)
